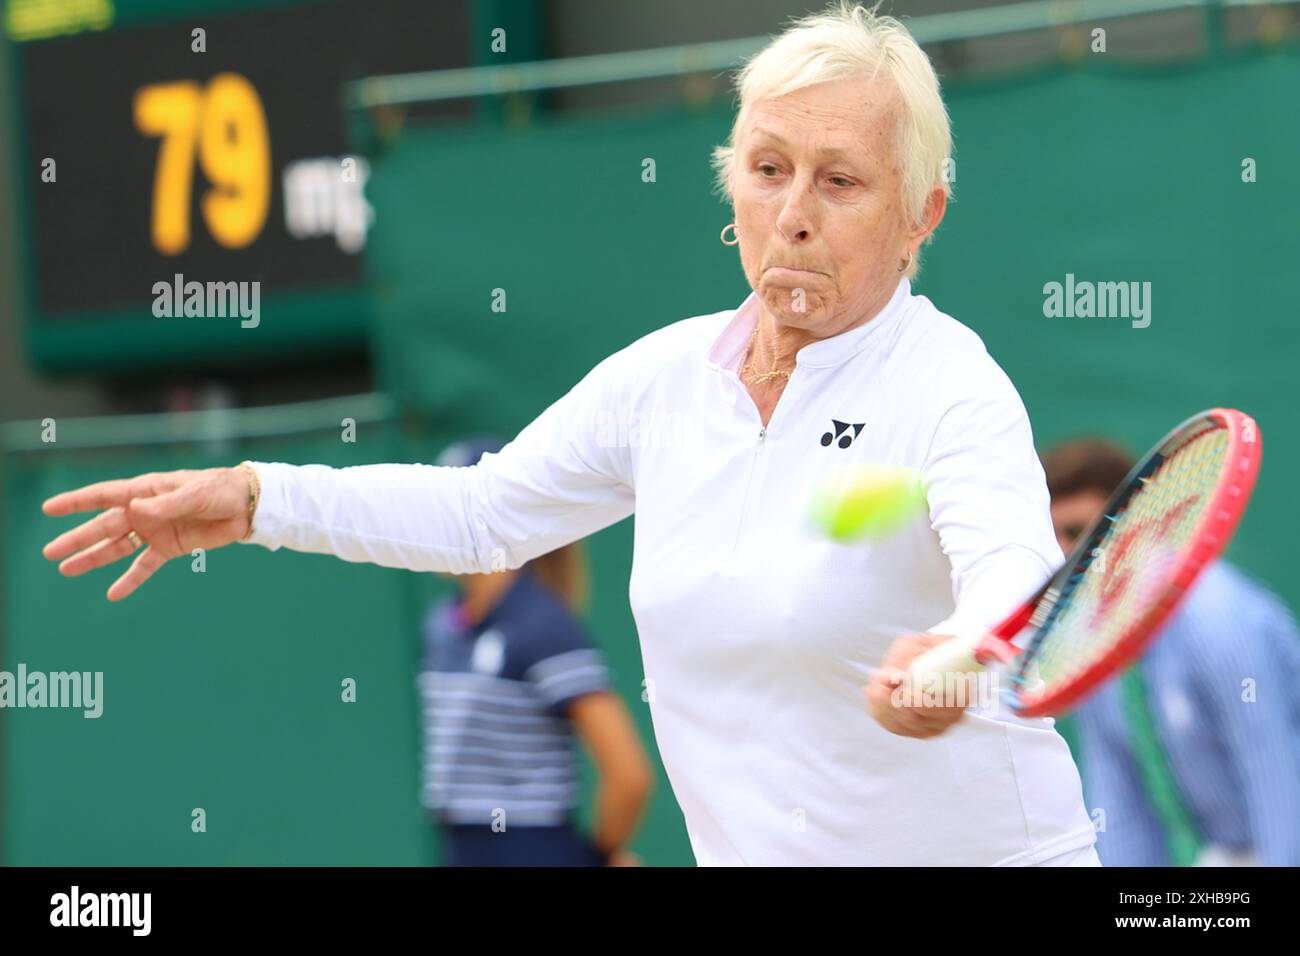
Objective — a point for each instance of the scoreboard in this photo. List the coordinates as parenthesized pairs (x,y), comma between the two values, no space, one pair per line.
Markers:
(199,144)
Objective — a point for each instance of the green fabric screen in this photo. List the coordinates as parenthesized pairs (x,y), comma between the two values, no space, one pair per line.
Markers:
(221,690)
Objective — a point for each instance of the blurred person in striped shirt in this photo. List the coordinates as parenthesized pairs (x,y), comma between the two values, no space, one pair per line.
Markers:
(1193,755)
(508,680)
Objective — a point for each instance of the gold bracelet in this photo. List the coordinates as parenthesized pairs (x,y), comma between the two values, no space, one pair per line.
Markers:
(254,492)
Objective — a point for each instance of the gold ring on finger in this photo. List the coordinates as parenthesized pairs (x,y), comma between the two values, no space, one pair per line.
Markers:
(136,542)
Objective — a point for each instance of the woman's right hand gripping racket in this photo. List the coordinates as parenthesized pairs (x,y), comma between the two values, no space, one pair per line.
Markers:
(1172,515)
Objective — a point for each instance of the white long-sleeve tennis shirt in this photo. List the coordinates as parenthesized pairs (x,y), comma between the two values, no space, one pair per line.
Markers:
(758,632)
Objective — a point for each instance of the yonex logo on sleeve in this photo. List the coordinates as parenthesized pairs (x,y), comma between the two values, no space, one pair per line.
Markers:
(841,429)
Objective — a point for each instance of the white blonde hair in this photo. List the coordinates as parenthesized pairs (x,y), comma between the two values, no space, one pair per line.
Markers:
(849,40)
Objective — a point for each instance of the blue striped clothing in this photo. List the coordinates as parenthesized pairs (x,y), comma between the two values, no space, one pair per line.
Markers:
(498,745)
(1224,680)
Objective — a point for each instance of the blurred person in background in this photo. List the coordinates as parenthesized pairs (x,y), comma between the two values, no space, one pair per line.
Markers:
(508,679)
(1193,754)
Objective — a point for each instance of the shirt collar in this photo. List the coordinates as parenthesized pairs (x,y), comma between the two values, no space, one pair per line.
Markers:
(521,589)
(728,347)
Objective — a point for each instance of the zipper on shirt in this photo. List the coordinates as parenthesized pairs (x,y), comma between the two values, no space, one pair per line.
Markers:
(749,483)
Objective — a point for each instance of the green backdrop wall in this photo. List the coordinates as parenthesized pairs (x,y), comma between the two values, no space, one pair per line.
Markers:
(222,690)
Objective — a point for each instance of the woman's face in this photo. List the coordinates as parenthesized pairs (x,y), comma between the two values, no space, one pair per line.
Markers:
(818,202)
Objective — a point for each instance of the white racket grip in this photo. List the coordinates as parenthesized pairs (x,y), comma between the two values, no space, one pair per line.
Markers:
(955,656)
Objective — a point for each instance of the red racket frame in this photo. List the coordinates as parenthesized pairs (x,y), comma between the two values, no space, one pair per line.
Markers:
(1232,492)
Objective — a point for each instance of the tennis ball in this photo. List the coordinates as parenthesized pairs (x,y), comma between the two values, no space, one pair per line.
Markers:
(868,501)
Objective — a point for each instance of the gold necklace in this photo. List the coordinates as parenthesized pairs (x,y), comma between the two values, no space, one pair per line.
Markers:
(762,376)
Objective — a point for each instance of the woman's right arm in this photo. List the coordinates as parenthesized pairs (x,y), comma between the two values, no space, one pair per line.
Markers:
(558,481)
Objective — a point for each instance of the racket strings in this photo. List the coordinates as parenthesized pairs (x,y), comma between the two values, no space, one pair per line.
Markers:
(1130,568)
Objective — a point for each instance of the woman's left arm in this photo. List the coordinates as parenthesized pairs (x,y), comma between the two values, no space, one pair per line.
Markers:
(989,506)
(988,498)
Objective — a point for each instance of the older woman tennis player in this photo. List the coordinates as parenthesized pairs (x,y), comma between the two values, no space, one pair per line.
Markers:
(758,635)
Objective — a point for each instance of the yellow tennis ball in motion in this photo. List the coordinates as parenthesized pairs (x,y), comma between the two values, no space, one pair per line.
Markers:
(868,501)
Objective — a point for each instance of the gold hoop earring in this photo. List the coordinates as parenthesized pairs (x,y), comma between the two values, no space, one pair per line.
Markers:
(723,235)
(903,264)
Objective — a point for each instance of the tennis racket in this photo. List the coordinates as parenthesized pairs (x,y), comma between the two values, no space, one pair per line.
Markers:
(1171,516)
